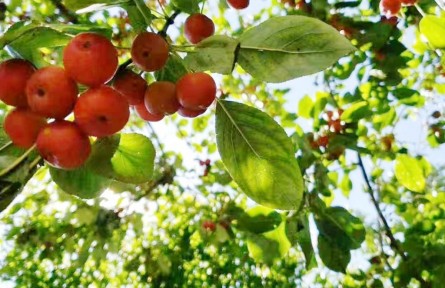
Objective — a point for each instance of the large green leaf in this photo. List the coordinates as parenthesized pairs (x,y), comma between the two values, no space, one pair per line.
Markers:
(284,48)
(216,54)
(270,246)
(409,173)
(433,28)
(337,224)
(258,155)
(128,158)
(259,220)
(188,6)
(333,256)
(81,182)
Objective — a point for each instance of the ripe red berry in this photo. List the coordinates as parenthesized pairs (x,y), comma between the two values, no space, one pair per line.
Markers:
(198,27)
(209,225)
(131,85)
(142,111)
(196,91)
(23,126)
(408,2)
(90,59)
(63,145)
(149,51)
(51,93)
(189,113)
(390,7)
(323,141)
(238,4)
(160,98)
(101,111)
(14,74)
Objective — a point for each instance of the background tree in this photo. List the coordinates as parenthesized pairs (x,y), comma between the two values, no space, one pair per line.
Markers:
(246,191)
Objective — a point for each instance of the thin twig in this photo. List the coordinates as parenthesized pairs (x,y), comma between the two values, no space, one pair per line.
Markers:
(394,244)
(169,21)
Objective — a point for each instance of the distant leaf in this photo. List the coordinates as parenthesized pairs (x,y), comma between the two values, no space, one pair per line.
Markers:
(270,246)
(356,111)
(79,4)
(81,182)
(287,47)
(259,220)
(433,28)
(188,6)
(173,70)
(305,107)
(333,256)
(409,172)
(258,155)
(337,224)
(137,20)
(216,54)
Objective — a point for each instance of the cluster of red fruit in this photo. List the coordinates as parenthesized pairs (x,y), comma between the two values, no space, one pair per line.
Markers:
(102,110)
(392,7)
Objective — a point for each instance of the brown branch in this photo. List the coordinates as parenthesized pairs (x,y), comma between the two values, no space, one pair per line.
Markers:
(67,14)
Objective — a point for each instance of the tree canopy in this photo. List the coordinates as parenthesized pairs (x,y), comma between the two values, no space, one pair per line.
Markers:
(319,163)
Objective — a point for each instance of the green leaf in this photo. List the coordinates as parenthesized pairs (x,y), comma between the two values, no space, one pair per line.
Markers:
(333,256)
(356,112)
(215,54)
(287,47)
(81,182)
(305,107)
(258,155)
(270,246)
(79,4)
(173,70)
(337,224)
(128,158)
(137,20)
(409,173)
(259,220)
(188,6)
(433,28)
(297,231)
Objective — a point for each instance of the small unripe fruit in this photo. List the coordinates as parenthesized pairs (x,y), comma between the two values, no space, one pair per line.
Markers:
(198,27)
(14,74)
(196,91)
(160,98)
(131,85)
(142,111)
(63,145)
(189,113)
(23,126)
(149,51)
(101,111)
(51,93)
(90,59)
(238,4)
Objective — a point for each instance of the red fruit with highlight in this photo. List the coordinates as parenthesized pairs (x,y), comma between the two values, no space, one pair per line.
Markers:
(189,113)
(131,85)
(390,7)
(63,145)
(149,51)
(198,27)
(142,111)
(160,98)
(14,74)
(90,59)
(51,93)
(23,126)
(101,111)
(196,91)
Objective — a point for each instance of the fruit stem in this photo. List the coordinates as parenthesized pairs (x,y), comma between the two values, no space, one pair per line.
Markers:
(5,146)
(169,21)
(16,163)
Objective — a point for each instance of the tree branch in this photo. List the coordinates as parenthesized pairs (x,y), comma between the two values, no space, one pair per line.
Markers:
(67,14)
(394,244)
(169,21)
